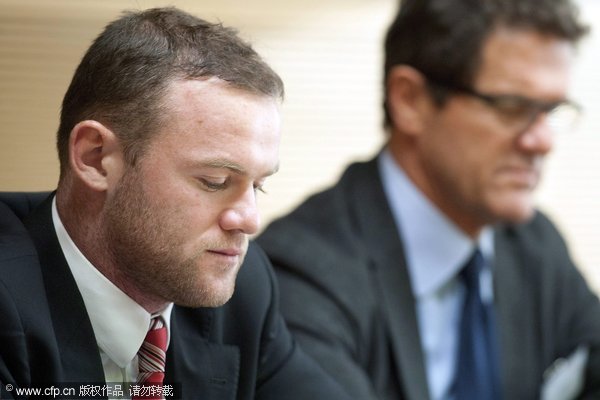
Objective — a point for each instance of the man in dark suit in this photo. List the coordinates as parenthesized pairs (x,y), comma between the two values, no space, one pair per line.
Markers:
(427,272)
(125,275)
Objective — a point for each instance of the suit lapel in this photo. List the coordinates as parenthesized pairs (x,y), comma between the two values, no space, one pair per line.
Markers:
(196,367)
(79,354)
(515,317)
(385,249)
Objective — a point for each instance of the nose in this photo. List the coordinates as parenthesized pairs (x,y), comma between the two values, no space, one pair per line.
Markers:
(242,215)
(539,136)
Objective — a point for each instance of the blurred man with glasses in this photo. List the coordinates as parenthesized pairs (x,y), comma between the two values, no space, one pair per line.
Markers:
(427,272)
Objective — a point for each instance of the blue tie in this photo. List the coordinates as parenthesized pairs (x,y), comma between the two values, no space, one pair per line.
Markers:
(477,374)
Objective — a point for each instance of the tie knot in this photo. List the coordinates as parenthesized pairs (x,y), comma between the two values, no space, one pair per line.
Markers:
(157,334)
(156,323)
(471,270)
(152,354)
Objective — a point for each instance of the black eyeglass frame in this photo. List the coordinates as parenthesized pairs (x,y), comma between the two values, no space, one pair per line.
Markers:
(507,103)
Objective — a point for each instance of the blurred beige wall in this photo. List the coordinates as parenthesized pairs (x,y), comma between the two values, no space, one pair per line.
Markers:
(327,52)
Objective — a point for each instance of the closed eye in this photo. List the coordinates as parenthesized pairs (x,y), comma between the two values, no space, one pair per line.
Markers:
(214,185)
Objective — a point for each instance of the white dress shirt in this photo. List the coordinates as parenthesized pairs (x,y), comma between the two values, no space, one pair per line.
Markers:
(119,323)
(435,249)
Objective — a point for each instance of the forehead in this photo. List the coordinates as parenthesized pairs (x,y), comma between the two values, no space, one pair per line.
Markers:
(523,61)
(201,95)
(208,118)
(212,105)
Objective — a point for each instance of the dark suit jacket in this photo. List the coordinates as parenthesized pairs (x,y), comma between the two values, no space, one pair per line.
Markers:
(346,295)
(242,350)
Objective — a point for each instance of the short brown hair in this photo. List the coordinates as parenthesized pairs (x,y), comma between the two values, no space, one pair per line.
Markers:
(443,39)
(123,76)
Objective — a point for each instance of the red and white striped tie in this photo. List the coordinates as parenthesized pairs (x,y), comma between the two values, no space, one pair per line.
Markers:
(152,356)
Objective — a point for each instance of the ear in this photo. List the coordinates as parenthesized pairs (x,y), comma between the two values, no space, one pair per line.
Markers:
(409,101)
(95,155)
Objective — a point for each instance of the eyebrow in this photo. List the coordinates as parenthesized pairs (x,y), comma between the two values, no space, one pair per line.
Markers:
(231,166)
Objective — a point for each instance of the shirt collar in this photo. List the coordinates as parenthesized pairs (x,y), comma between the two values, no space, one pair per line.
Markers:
(435,248)
(119,323)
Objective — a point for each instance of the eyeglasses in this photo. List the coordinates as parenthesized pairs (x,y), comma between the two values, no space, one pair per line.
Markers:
(519,112)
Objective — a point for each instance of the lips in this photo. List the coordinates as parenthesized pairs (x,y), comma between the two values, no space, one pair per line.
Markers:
(521,176)
(232,252)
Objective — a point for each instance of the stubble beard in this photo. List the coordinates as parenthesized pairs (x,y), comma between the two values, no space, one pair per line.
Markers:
(145,243)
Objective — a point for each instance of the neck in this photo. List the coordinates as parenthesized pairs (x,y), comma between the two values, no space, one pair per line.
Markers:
(462,216)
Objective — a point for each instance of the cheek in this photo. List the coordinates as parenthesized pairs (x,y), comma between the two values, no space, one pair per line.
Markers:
(185,211)
(173,196)
(465,162)
(195,214)
(478,148)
